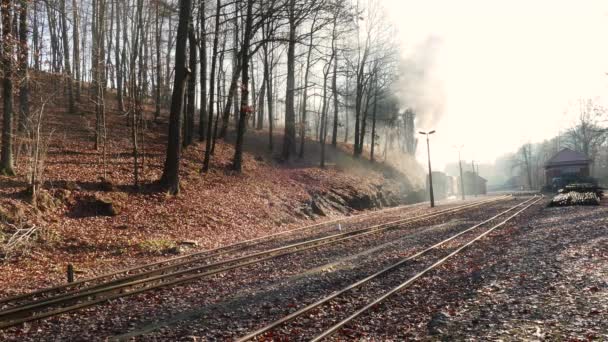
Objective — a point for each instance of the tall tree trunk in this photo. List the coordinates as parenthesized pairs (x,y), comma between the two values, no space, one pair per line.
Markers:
(261,104)
(6,159)
(98,61)
(216,35)
(360,88)
(137,87)
(158,40)
(236,60)
(118,60)
(221,91)
(35,38)
(358,100)
(334,86)
(253,95)
(95,68)
(374,115)
(346,105)
(202,124)
(168,64)
(52,21)
(123,57)
(269,85)
(229,100)
(83,48)
(66,58)
(289,139)
(170,177)
(109,68)
(76,48)
(364,120)
(189,118)
(324,111)
(305,96)
(237,164)
(24,78)
(270,99)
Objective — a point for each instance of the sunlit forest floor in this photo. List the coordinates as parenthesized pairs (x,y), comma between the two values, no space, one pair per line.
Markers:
(213,209)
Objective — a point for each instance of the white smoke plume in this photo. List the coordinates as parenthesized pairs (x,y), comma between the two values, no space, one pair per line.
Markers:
(420,85)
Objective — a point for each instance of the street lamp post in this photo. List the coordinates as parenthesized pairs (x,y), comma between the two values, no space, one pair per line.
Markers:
(428,149)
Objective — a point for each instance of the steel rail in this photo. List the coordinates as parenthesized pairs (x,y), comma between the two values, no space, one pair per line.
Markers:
(206,253)
(367,279)
(411,280)
(268,255)
(81,291)
(341,236)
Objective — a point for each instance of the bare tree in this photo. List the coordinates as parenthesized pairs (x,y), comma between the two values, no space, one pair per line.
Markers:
(6,158)
(98,67)
(305,86)
(24,78)
(214,57)
(170,177)
(325,106)
(118,60)
(297,12)
(66,57)
(587,136)
(203,52)
(523,160)
(36,148)
(245,110)
(191,92)
(76,47)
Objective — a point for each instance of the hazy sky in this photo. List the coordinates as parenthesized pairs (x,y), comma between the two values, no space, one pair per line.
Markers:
(509,69)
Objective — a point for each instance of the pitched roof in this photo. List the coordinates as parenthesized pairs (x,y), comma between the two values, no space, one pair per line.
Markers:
(567,157)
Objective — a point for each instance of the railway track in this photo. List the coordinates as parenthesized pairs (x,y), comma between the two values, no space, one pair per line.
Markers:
(377,278)
(199,255)
(71,297)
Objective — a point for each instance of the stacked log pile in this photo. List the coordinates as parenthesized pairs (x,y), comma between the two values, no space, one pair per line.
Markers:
(578,194)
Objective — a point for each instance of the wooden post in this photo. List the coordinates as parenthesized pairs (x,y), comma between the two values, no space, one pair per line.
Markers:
(70,273)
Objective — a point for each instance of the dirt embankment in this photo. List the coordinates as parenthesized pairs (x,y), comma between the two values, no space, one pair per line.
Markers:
(347,199)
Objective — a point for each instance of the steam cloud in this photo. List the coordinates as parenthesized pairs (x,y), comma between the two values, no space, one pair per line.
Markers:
(420,86)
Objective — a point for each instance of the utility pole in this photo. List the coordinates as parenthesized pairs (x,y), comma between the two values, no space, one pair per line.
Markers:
(461,178)
(474,179)
(428,149)
(477,181)
(459,147)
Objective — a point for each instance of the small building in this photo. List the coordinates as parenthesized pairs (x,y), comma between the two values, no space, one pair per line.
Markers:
(566,166)
(474,184)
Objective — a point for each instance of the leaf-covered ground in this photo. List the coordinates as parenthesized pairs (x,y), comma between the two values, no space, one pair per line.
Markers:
(544,278)
(224,305)
(541,277)
(212,210)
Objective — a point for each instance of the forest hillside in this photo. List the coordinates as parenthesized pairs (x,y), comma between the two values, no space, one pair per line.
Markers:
(88,212)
